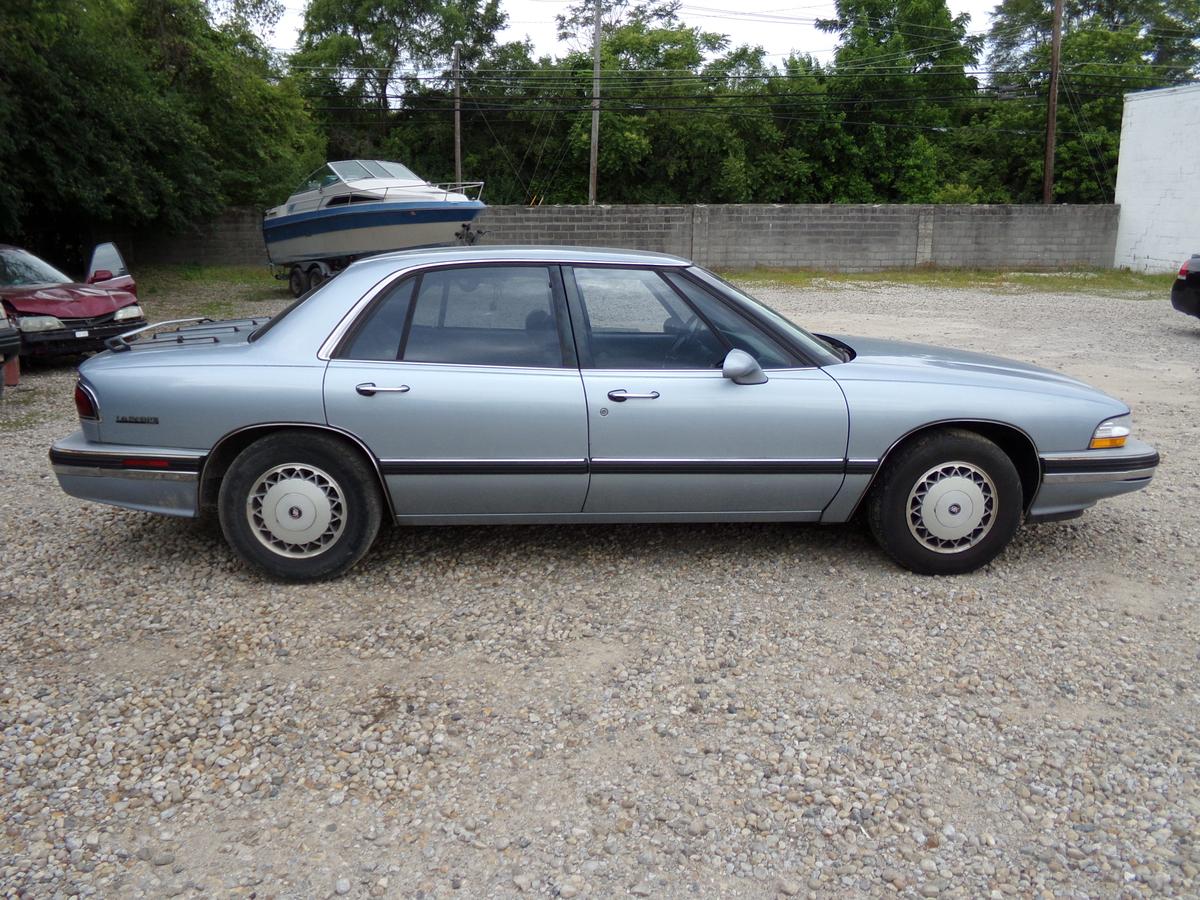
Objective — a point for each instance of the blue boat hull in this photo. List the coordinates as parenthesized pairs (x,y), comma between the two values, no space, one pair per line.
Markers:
(363,228)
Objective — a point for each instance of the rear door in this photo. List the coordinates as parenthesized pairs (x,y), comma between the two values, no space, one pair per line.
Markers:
(463,383)
(669,434)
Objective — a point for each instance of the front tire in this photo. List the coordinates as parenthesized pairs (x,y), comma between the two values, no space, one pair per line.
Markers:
(947,503)
(300,506)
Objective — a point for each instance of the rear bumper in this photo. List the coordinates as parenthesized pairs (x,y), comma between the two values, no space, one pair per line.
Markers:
(1185,297)
(63,341)
(1071,482)
(150,479)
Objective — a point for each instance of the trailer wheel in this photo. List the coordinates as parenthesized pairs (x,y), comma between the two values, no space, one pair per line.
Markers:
(316,277)
(297,281)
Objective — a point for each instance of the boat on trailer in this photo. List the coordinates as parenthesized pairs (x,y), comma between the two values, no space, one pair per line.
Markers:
(358,207)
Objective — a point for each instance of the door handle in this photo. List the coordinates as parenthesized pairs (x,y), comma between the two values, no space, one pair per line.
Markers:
(622,395)
(368,389)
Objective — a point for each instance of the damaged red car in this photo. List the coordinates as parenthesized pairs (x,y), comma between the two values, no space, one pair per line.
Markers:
(56,315)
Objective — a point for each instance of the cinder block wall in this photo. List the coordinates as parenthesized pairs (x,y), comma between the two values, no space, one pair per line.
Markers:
(852,238)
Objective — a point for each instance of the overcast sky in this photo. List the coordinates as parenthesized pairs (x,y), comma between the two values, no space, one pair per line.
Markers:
(779,30)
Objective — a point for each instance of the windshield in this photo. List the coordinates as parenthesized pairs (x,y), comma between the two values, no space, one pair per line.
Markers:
(323,177)
(362,169)
(824,352)
(19,269)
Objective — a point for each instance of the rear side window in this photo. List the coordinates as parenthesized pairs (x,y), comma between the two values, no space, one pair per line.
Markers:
(477,315)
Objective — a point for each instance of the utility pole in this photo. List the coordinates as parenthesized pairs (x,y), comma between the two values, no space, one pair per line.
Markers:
(595,108)
(457,113)
(1052,104)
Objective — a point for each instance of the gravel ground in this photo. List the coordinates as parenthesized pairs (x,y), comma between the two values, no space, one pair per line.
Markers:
(732,710)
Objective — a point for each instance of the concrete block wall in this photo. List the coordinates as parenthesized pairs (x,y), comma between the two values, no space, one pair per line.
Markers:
(851,238)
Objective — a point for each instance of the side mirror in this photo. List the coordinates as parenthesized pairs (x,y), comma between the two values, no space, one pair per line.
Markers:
(100,275)
(742,368)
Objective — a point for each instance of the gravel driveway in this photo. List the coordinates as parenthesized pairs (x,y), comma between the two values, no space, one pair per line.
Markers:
(661,711)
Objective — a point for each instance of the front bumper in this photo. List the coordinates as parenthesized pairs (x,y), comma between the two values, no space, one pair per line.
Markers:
(150,479)
(1072,482)
(64,341)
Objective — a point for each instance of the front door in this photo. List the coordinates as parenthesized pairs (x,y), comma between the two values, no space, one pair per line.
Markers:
(670,435)
(463,383)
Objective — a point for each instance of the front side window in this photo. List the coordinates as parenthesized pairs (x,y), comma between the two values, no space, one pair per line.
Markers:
(634,320)
(736,329)
(478,315)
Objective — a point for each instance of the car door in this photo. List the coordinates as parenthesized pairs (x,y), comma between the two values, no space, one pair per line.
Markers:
(108,270)
(462,380)
(669,435)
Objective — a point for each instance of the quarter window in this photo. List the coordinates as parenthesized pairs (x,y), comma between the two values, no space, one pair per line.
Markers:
(380,333)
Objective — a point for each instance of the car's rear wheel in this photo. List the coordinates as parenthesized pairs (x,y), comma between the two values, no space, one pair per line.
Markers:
(948,502)
(297,281)
(300,506)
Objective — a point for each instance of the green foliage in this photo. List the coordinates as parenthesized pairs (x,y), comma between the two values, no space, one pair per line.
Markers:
(122,114)
(132,113)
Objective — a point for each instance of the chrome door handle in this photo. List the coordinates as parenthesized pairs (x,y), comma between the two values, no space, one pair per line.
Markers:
(368,389)
(622,395)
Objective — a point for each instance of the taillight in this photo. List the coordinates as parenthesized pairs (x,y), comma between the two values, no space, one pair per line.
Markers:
(1183,270)
(85,404)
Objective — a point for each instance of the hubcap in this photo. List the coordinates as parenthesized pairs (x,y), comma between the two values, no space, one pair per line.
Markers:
(296,510)
(952,507)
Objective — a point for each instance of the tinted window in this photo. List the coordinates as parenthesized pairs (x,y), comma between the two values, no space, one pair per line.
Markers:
(485,315)
(379,336)
(635,321)
(737,330)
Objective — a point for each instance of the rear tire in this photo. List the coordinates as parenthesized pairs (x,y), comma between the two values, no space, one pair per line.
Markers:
(947,503)
(316,278)
(297,281)
(300,506)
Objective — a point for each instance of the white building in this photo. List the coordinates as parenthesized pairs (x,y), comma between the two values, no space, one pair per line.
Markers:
(1157,176)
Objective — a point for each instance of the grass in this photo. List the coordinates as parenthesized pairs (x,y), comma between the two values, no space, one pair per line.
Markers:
(249,282)
(1106,282)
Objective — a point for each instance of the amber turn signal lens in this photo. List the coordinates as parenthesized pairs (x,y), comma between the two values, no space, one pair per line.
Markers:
(1106,443)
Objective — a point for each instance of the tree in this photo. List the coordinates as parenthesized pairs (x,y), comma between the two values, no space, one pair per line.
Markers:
(179,123)
(900,78)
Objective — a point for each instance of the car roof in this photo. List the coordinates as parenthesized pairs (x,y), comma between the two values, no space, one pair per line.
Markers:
(518,253)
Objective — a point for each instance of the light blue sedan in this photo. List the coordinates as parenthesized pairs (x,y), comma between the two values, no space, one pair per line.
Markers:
(519,384)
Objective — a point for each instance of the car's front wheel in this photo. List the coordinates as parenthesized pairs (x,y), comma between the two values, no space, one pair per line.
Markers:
(948,502)
(300,506)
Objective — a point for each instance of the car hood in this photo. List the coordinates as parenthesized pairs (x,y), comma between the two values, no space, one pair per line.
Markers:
(69,301)
(877,359)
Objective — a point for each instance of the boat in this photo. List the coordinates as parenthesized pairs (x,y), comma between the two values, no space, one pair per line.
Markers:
(357,207)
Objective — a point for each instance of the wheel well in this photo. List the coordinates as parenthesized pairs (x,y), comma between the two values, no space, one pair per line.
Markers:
(1017,446)
(221,457)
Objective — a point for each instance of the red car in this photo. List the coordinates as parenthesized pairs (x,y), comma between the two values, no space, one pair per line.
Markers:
(56,315)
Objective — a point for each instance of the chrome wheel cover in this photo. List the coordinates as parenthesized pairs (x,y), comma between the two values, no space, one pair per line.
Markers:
(296,510)
(952,507)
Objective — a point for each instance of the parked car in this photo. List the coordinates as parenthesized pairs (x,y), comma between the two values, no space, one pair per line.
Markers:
(497,385)
(1185,292)
(57,315)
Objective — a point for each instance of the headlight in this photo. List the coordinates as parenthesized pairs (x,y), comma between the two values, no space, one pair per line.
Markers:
(127,312)
(1111,433)
(39,323)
